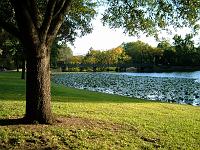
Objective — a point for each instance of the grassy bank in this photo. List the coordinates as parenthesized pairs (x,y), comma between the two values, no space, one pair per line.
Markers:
(90,120)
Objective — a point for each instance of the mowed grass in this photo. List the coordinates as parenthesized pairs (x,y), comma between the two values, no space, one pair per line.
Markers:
(90,120)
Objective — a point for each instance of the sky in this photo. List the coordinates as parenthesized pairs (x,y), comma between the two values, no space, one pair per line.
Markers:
(104,38)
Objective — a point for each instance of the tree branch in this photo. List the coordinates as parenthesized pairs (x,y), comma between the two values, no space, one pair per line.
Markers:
(25,23)
(58,8)
(34,12)
(47,19)
(57,22)
(10,28)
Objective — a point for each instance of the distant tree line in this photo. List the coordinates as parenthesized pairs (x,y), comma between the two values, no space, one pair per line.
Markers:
(182,52)
(110,57)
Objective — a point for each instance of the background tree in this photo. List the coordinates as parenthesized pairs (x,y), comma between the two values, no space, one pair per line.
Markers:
(133,50)
(6,56)
(185,50)
(12,56)
(92,57)
(64,53)
(76,59)
(169,53)
(123,58)
(141,52)
(15,50)
(60,52)
(114,55)
(54,54)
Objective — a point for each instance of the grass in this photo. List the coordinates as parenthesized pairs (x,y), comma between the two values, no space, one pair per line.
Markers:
(90,120)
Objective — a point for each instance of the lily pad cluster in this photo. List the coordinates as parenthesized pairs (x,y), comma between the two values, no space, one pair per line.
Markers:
(179,90)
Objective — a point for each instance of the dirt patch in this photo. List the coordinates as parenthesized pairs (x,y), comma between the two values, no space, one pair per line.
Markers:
(92,124)
(155,141)
(68,122)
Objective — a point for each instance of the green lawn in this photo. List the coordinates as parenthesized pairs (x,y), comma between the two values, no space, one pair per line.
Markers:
(90,120)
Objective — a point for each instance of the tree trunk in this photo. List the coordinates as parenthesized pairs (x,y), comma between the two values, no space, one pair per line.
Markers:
(17,65)
(23,69)
(38,96)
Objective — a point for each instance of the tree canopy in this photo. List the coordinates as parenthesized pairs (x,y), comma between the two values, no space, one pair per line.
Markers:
(151,15)
(45,17)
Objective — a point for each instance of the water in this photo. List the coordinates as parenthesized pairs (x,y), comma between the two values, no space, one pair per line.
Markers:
(179,87)
(190,75)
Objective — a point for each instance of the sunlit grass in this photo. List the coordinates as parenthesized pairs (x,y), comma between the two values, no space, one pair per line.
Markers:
(97,121)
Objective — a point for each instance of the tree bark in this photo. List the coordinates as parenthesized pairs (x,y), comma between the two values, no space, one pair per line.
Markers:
(38,96)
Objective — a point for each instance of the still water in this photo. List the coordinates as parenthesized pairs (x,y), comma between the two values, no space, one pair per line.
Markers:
(190,75)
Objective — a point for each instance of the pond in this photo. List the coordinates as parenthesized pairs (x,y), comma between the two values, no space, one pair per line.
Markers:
(178,87)
(190,75)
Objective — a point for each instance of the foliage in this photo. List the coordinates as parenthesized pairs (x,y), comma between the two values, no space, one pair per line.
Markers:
(150,15)
(182,53)
(65,53)
(185,50)
(12,51)
(111,57)
(76,59)
(77,20)
(141,52)
(169,53)
(60,53)
(54,54)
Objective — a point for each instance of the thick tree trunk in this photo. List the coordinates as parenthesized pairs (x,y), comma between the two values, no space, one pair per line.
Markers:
(37,29)
(38,96)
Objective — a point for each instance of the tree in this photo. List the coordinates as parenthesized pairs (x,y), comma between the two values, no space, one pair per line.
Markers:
(16,51)
(54,54)
(12,52)
(141,52)
(132,50)
(114,55)
(185,49)
(60,52)
(36,24)
(76,59)
(6,59)
(169,53)
(64,53)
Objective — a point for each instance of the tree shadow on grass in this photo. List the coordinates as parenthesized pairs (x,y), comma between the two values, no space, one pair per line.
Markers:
(15,121)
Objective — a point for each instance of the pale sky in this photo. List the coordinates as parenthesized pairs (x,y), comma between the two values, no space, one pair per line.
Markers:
(104,38)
